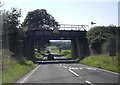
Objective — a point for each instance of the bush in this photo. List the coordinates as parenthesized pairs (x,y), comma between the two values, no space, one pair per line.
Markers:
(30,63)
(98,37)
(38,55)
(105,47)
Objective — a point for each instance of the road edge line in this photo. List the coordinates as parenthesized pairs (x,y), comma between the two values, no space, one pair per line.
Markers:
(30,74)
(102,69)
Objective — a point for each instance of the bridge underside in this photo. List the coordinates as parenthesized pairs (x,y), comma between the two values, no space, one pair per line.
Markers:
(78,41)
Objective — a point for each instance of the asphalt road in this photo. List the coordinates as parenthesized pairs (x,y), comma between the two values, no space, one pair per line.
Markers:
(60,72)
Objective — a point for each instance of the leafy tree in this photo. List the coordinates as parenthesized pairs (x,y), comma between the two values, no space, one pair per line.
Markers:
(1,3)
(16,34)
(98,37)
(40,19)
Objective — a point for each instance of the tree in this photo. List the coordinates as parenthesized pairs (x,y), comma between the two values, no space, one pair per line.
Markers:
(99,36)
(1,3)
(40,19)
(16,34)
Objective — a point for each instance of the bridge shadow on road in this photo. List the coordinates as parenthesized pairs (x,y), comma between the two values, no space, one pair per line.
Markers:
(57,60)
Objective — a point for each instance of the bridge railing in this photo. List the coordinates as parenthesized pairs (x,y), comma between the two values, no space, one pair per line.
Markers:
(73,27)
(63,27)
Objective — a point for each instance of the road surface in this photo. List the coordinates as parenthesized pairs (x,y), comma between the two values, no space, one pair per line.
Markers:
(60,72)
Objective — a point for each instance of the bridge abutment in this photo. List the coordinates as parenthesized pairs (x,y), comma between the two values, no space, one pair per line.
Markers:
(29,49)
(80,47)
(73,49)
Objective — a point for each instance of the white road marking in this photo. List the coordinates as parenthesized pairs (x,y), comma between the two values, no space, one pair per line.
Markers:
(91,68)
(89,82)
(73,68)
(57,61)
(80,77)
(60,64)
(64,66)
(30,74)
(74,73)
(101,69)
(108,71)
(80,68)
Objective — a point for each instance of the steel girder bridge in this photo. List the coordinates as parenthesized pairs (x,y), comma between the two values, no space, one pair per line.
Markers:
(75,33)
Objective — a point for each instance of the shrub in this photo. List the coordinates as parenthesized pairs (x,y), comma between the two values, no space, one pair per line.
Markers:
(30,63)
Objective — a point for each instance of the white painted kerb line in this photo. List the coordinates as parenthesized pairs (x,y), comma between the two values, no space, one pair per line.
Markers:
(30,74)
(74,73)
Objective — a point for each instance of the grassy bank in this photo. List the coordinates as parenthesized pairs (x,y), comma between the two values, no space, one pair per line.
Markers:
(103,61)
(38,55)
(67,53)
(14,68)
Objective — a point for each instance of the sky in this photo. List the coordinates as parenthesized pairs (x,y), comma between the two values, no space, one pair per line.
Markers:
(81,12)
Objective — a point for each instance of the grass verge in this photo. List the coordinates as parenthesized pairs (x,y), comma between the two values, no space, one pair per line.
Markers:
(14,69)
(67,53)
(103,61)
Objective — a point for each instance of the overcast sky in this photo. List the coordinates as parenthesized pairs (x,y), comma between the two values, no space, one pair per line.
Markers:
(103,12)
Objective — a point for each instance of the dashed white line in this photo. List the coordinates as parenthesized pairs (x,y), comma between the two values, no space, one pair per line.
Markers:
(73,68)
(91,68)
(57,61)
(64,67)
(89,82)
(30,74)
(80,68)
(74,73)
(60,64)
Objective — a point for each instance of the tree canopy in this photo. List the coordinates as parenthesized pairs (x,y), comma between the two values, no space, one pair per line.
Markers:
(12,29)
(40,19)
(99,35)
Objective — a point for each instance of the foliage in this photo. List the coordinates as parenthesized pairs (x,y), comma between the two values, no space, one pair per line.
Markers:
(99,35)
(40,19)
(12,69)
(62,45)
(38,55)
(30,63)
(15,33)
(42,44)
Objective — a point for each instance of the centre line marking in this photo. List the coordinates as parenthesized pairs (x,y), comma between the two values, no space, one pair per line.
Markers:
(74,73)
(30,74)
(64,67)
(89,82)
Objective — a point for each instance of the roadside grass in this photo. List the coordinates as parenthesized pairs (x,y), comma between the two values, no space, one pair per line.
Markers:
(67,53)
(13,68)
(56,51)
(38,56)
(52,47)
(62,51)
(68,56)
(103,61)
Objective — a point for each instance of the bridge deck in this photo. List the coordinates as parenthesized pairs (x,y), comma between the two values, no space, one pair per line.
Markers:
(49,34)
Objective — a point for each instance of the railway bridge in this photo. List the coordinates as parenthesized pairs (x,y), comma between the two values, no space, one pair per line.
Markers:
(75,33)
